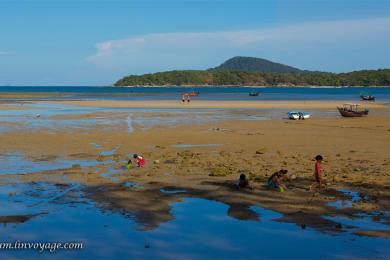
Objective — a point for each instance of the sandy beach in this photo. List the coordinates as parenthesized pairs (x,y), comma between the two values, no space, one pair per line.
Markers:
(213,104)
(205,160)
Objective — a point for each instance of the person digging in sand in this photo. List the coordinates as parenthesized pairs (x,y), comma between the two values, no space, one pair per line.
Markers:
(242,182)
(129,165)
(139,160)
(276,180)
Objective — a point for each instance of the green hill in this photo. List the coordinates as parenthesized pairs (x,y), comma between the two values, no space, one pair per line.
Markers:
(244,71)
(250,64)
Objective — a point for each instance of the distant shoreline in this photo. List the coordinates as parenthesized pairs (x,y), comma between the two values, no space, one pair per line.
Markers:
(11,89)
(214,104)
(235,86)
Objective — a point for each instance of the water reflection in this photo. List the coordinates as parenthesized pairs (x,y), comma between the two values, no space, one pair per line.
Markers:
(183,227)
(17,163)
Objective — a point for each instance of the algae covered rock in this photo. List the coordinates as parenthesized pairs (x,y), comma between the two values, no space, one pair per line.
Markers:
(221,171)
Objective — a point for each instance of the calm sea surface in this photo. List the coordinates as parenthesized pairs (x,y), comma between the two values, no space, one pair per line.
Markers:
(206,93)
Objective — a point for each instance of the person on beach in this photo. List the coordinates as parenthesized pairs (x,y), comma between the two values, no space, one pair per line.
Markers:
(242,182)
(276,180)
(301,117)
(140,161)
(129,165)
(318,172)
(185,97)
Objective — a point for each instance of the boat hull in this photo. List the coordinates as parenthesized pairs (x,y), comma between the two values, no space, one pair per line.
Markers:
(349,113)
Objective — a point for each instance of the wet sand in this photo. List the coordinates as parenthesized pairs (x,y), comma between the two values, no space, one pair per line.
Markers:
(212,104)
(355,150)
(12,107)
(17,95)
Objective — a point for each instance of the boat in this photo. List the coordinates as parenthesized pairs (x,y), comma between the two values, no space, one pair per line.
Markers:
(191,94)
(298,115)
(254,93)
(367,97)
(352,110)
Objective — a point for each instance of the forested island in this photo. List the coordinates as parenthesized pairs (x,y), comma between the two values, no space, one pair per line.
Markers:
(247,71)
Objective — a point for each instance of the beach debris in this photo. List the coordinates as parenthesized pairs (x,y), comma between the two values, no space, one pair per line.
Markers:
(170,161)
(224,153)
(220,129)
(156,161)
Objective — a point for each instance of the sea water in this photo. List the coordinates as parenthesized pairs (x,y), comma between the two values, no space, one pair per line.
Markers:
(206,93)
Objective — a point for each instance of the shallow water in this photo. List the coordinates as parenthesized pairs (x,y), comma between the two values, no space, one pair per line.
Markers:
(43,115)
(173,191)
(134,185)
(206,93)
(17,163)
(347,203)
(359,223)
(200,229)
(110,152)
(111,172)
(195,145)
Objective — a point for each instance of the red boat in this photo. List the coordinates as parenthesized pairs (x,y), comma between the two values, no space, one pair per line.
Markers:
(191,94)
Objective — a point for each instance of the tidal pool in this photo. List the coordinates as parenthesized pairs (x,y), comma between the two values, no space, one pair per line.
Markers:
(172,191)
(17,163)
(200,229)
(347,203)
(195,145)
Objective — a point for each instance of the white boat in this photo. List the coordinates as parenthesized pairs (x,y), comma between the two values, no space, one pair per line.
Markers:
(298,115)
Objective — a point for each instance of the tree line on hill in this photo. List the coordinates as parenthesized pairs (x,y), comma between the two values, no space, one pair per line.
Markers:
(380,77)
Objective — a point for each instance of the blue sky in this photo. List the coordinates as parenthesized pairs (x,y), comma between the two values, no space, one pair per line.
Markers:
(95,42)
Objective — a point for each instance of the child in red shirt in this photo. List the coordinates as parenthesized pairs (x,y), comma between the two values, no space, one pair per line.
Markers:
(139,160)
(318,171)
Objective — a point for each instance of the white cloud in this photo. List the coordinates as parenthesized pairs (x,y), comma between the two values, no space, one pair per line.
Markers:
(3,53)
(180,50)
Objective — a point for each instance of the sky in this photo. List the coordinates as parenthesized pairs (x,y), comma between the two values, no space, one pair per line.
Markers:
(96,42)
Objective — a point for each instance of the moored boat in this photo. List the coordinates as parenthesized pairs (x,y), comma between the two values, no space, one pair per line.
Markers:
(367,97)
(254,93)
(352,110)
(193,94)
(298,115)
